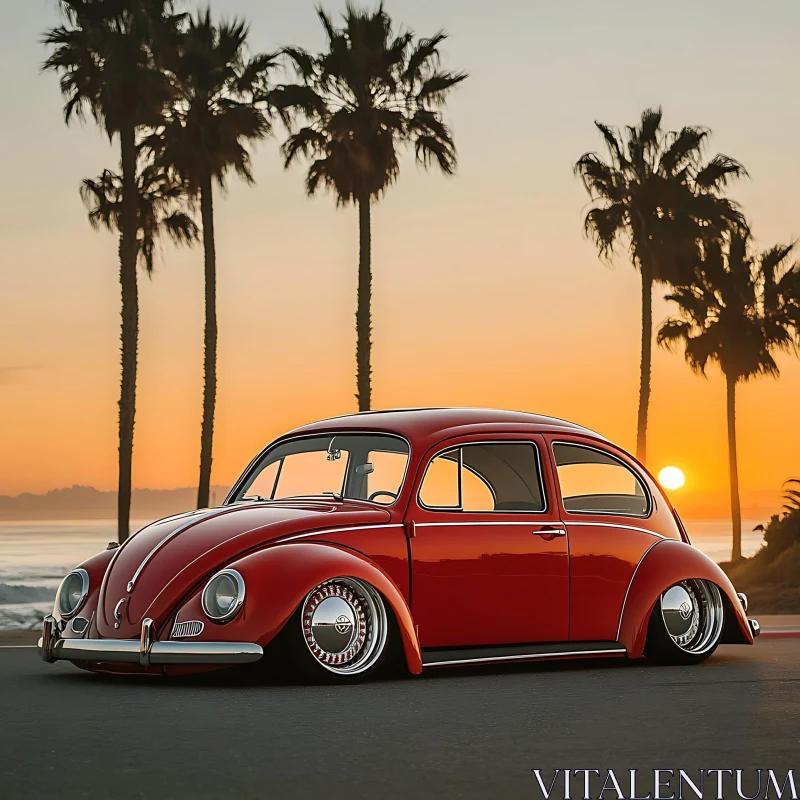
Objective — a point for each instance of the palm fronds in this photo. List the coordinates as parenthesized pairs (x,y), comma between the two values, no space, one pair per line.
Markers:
(159,209)
(355,105)
(792,496)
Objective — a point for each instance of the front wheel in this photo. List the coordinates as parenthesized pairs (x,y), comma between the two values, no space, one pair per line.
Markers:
(340,632)
(686,624)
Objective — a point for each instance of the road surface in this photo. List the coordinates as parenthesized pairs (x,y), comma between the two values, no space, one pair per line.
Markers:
(451,733)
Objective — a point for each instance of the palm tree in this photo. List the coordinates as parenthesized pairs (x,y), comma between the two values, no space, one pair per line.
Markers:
(655,192)
(372,92)
(203,137)
(734,313)
(105,55)
(792,496)
(158,212)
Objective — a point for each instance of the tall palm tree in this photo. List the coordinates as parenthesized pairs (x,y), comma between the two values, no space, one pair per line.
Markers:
(734,314)
(159,210)
(371,93)
(203,137)
(104,53)
(655,192)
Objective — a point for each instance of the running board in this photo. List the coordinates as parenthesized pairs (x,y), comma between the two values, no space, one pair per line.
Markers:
(519,652)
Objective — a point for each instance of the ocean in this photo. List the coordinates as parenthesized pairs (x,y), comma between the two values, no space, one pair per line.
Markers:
(35,557)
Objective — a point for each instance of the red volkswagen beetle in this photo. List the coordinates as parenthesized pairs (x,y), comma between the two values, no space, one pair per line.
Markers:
(433,537)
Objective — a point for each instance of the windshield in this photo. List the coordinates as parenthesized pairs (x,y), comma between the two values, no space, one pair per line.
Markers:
(355,466)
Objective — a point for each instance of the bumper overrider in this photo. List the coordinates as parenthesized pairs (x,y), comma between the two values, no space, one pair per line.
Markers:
(145,651)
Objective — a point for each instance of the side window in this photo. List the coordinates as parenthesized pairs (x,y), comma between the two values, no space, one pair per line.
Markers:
(440,488)
(485,478)
(593,482)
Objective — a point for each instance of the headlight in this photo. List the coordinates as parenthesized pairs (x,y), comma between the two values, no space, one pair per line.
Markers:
(223,596)
(72,593)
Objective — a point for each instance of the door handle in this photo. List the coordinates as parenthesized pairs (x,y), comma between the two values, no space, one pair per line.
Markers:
(552,532)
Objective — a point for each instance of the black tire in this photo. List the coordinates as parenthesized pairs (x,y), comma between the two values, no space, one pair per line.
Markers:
(352,656)
(686,624)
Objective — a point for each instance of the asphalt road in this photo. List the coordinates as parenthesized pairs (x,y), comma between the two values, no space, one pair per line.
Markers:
(451,733)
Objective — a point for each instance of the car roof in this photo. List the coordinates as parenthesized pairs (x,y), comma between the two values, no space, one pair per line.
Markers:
(426,426)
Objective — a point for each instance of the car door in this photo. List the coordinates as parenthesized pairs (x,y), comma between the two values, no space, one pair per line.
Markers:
(489,553)
(612,520)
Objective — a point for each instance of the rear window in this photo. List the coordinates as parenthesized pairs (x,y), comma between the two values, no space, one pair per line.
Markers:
(594,482)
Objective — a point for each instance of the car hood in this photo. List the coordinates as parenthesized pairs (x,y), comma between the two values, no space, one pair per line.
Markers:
(157,567)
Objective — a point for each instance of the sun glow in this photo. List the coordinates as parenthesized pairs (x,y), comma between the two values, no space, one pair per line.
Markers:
(671,478)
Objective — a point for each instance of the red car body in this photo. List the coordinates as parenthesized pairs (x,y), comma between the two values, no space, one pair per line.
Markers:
(462,587)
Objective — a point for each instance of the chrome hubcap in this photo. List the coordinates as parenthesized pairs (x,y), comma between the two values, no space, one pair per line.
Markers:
(693,615)
(344,625)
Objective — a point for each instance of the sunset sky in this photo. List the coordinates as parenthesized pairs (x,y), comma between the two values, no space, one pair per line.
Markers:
(486,293)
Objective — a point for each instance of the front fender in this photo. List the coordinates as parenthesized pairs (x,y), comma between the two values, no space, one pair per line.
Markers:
(666,563)
(96,567)
(277,580)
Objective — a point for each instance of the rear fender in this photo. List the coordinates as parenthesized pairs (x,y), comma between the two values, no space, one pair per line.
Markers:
(277,580)
(663,565)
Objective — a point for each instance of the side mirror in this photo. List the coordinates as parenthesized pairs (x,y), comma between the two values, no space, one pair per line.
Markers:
(365,469)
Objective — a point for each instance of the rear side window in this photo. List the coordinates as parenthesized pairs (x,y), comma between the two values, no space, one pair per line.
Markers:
(593,482)
(484,478)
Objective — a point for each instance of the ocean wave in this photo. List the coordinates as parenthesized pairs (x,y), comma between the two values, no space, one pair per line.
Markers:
(10,594)
(22,617)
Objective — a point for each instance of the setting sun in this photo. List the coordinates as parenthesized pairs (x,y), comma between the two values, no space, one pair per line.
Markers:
(671,478)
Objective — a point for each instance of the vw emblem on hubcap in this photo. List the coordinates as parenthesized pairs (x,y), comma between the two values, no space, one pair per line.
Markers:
(343,624)
(685,610)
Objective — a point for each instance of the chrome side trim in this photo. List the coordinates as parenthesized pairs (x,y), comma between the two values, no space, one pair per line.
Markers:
(624,527)
(529,657)
(630,583)
(194,520)
(466,522)
(337,530)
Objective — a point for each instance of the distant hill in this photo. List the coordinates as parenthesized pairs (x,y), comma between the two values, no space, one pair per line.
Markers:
(86,502)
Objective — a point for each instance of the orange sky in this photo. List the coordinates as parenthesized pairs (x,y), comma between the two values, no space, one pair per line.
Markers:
(486,293)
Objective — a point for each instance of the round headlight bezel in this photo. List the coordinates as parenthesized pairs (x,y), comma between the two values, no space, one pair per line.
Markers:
(84,576)
(237,606)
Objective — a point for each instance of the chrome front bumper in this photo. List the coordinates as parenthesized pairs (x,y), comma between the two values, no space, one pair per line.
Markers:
(144,651)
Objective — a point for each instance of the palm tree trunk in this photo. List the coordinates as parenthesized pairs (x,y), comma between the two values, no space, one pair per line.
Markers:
(646,367)
(736,511)
(210,363)
(128,252)
(364,310)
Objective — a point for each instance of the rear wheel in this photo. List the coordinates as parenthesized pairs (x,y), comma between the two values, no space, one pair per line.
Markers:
(686,624)
(340,632)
